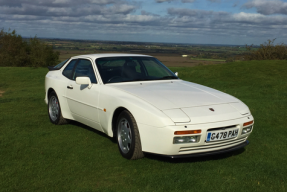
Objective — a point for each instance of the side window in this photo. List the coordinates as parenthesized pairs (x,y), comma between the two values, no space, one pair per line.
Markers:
(69,69)
(84,68)
(138,66)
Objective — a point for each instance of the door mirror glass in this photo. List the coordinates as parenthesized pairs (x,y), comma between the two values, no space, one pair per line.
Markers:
(84,81)
(176,73)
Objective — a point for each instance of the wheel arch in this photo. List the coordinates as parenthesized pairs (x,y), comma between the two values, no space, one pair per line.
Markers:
(50,90)
(57,119)
(117,112)
(63,103)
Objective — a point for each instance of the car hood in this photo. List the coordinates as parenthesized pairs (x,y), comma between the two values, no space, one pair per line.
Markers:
(174,94)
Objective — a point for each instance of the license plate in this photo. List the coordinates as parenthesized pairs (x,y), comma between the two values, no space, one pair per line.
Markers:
(221,135)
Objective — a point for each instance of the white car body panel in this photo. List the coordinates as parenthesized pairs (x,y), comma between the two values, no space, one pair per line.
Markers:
(201,114)
(175,94)
(152,116)
(159,107)
(177,115)
(83,103)
(58,82)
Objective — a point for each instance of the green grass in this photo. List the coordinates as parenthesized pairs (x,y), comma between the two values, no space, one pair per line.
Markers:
(39,156)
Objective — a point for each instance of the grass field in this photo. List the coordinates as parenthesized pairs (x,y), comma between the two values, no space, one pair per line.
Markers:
(39,156)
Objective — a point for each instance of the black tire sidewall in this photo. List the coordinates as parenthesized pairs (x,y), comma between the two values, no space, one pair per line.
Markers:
(58,118)
(127,116)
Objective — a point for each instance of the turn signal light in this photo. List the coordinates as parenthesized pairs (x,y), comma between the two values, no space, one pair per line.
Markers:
(187,132)
(248,123)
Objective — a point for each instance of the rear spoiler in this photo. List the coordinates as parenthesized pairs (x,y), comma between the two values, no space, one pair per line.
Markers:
(52,68)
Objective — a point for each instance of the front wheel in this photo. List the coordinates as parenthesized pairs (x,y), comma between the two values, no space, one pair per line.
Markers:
(128,137)
(54,110)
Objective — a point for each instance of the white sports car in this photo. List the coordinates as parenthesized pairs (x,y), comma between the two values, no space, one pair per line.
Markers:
(145,106)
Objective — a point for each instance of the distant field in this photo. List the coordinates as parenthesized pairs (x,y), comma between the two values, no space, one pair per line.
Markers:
(66,54)
(205,54)
(167,59)
(177,60)
(202,59)
(39,156)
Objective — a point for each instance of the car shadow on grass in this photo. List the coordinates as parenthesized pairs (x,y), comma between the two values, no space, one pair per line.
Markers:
(194,159)
(92,130)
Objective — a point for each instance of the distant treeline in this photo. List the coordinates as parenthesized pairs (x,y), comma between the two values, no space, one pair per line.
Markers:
(16,52)
(267,51)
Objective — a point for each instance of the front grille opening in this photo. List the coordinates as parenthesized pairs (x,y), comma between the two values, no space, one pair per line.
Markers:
(212,146)
(222,128)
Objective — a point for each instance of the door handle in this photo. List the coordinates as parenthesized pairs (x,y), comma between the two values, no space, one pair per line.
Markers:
(70,87)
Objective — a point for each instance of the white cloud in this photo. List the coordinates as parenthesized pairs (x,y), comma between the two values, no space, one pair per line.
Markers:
(72,10)
(111,19)
(266,7)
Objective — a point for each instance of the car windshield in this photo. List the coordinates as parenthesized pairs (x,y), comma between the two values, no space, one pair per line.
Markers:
(127,69)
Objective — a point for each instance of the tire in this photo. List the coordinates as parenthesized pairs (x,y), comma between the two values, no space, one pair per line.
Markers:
(128,137)
(54,110)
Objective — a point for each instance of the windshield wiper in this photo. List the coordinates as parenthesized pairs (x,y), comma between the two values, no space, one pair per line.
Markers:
(141,79)
(135,80)
(168,77)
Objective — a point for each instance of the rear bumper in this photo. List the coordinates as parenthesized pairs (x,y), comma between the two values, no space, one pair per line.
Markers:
(208,153)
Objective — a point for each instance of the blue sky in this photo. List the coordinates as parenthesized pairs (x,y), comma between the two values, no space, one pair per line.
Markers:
(224,5)
(175,21)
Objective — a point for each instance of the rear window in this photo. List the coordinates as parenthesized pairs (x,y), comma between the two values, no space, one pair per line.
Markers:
(60,65)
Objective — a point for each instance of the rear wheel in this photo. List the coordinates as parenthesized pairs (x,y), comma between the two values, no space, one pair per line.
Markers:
(128,136)
(54,110)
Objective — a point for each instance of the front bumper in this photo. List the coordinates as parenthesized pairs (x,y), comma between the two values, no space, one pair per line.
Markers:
(160,140)
(209,153)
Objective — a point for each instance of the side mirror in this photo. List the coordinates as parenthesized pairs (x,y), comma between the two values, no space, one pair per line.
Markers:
(176,73)
(84,81)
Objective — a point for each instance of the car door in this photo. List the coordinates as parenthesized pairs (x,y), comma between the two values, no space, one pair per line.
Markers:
(83,101)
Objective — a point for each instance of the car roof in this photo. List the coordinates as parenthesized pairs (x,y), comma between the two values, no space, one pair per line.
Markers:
(101,55)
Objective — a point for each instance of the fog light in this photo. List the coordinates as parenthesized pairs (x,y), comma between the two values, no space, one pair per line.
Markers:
(192,139)
(186,139)
(179,140)
(246,130)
